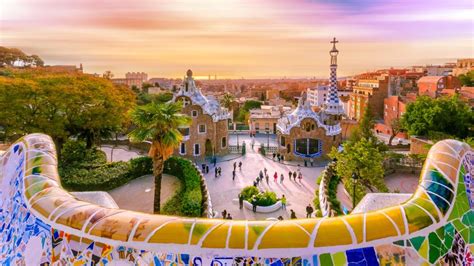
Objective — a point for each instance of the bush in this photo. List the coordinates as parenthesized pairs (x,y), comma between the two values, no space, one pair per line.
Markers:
(187,201)
(75,154)
(141,166)
(266,198)
(316,203)
(248,192)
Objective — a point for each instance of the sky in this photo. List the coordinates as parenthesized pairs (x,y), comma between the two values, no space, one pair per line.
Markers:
(239,38)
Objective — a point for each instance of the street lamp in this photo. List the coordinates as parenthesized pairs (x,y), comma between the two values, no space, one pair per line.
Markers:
(268,139)
(354,177)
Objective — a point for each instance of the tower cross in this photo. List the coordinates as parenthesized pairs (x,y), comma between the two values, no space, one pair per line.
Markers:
(334,41)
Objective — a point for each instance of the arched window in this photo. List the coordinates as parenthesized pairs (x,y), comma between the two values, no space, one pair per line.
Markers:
(224,142)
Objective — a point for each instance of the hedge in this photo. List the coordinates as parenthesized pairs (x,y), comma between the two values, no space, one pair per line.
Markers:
(188,200)
(83,169)
(266,198)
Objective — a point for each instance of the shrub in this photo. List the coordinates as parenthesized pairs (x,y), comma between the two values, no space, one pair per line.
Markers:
(187,201)
(316,203)
(141,166)
(248,192)
(266,198)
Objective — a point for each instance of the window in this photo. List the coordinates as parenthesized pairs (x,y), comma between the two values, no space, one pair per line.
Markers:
(197,149)
(224,142)
(202,128)
(282,141)
(182,148)
(267,126)
(194,113)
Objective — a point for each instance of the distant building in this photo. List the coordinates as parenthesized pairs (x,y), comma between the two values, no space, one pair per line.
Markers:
(317,97)
(368,92)
(266,118)
(272,94)
(64,68)
(304,133)
(208,133)
(433,85)
(394,108)
(463,66)
(132,79)
(445,70)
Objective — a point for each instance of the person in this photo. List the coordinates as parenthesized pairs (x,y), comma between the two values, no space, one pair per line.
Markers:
(260,175)
(274,154)
(290,174)
(294,175)
(257,180)
(267,177)
(255,183)
(265,170)
(253,143)
(216,171)
(229,217)
(300,176)
(311,161)
(235,165)
(275,176)
(203,166)
(305,163)
(280,218)
(283,202)
(219,170)
(240,165)
(224,214)
(254,203)
(293,214)
(309,211)
(281,178)
(241,201)
(233,175)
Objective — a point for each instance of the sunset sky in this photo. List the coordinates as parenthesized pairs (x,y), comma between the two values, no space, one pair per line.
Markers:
(233,39)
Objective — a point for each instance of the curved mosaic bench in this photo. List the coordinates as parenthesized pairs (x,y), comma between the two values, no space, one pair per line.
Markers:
(42,223)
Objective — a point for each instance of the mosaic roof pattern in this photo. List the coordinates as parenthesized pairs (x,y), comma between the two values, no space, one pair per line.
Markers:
(42,223)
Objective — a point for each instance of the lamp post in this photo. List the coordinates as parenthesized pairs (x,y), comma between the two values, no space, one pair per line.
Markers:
(355,177)
(268,139)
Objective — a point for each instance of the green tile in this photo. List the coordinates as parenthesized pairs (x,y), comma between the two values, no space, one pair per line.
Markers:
(417,241)
(339,258)
(434,247)
(325,259)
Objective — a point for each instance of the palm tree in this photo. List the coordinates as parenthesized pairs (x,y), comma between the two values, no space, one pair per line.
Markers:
(159,123)
(227,101)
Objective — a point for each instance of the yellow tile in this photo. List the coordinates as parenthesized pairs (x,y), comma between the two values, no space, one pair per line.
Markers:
(176,232)
(294,236)
(218,237)
(237,235)
(396,215)
(332,232)
(378,226)
(356,221)
(255,229)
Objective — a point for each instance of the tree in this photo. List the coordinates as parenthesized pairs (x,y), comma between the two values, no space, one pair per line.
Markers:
(244,110)
(62,105)
(159,123)
(363,158)
(467,79)
(16,57)
(446,115)
(396,128)
(108,74)
(227,101)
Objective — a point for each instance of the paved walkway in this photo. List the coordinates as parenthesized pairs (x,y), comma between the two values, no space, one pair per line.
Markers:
(224,190)
(121,153)
(138,194)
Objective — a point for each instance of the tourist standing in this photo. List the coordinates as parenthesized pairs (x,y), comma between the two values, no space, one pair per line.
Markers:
(219,170)
(283,202)
(275,176)
(224,214)
(281,178)
(300,176)
(235,165)
(311,161)
(265,170)
(216,171)
(309,211)
(254,203)
(240,165)
(260,175)
(207,169)
(293,214)
(241,201)
(289,174)
(294,175)
(267,177)
(229,217)
(233,175)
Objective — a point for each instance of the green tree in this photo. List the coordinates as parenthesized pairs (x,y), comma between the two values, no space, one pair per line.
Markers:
(396,128)
(62,105)
(159,123)
(227,101)
(363,158)
(446,115)
(245,109)
(467,79)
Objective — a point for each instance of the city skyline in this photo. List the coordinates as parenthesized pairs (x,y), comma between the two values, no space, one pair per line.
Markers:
(250,39)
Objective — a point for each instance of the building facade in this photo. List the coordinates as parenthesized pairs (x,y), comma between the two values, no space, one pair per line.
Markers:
(317,97)
(265,119)
(306,134)
(463,66)
(368,92)
(433,86)
(208,133)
